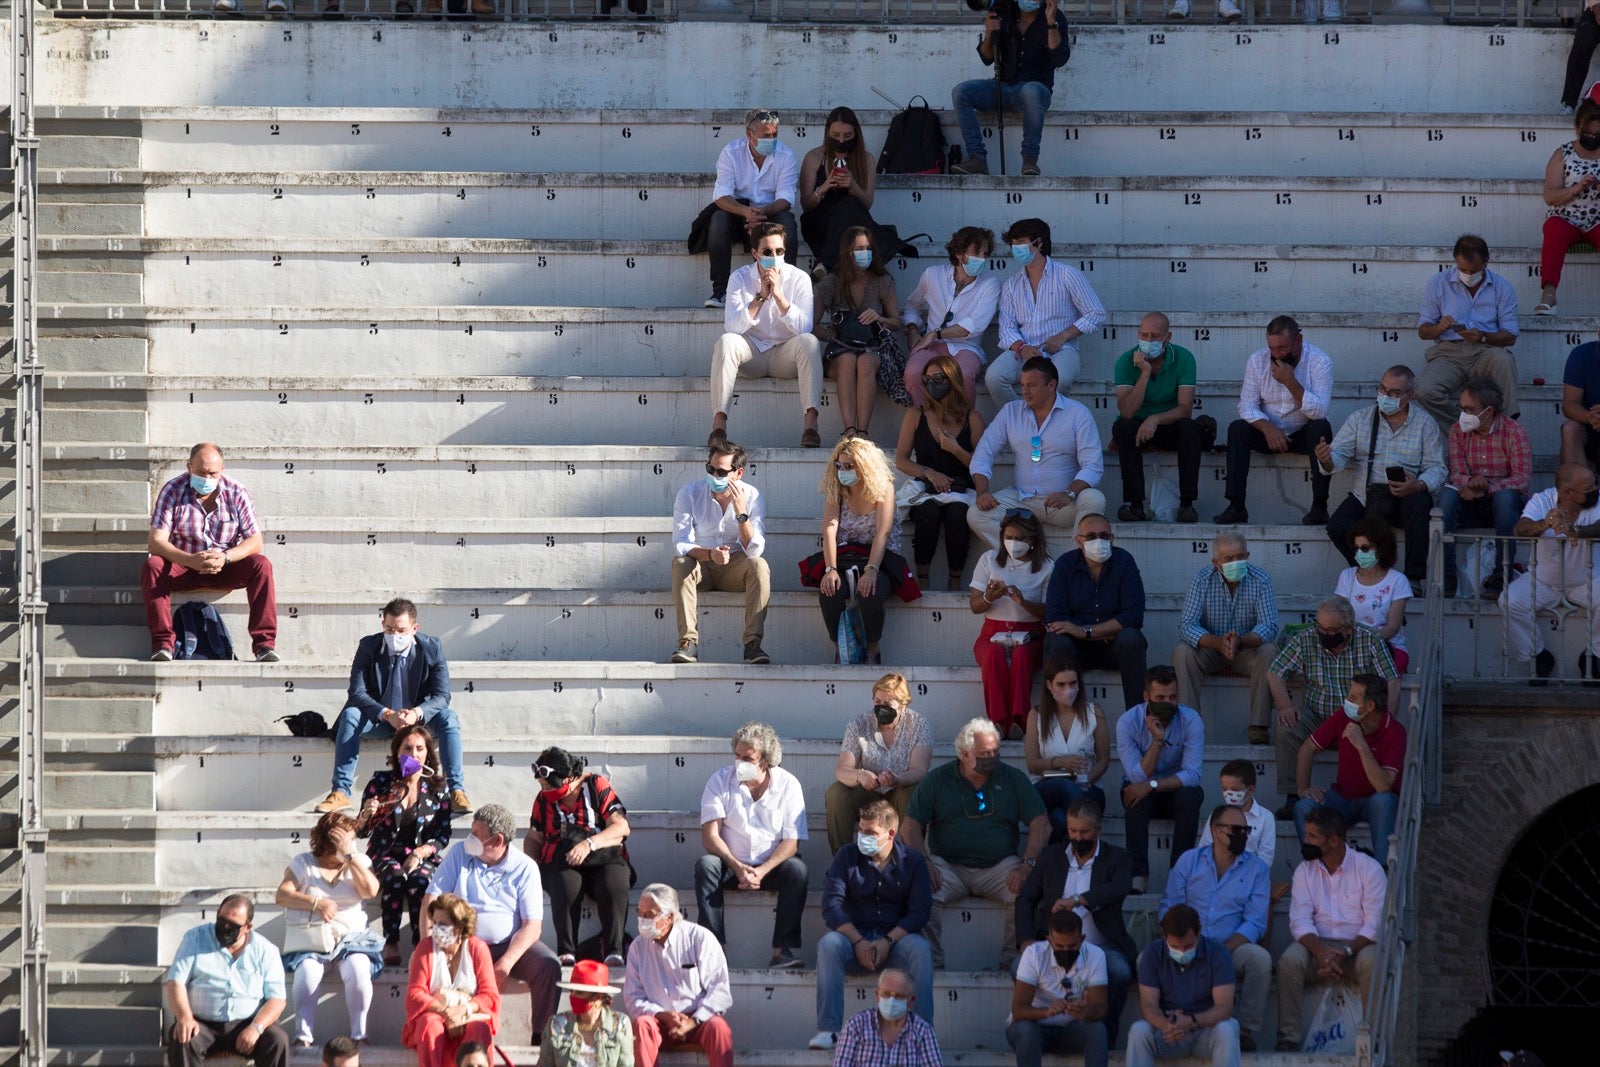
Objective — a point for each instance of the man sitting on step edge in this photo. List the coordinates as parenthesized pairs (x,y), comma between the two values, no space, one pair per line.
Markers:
(718,537)
(225,991)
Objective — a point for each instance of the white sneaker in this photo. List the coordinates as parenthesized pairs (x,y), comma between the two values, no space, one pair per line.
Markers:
(227,7)
(714,301)
(1228,11)
(822,1042)
(276,7)
(1332,11)
(1178,10)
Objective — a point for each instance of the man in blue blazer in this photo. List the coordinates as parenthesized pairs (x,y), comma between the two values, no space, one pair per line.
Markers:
(399,678)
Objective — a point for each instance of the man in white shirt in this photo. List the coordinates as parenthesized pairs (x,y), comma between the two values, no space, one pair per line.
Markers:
(758,180)
(949,310)
(1565,564)
(1044,309)
(718,536)
(752,820)
(1058,1000)
(767,327)
(1283,407)
(676,986)
(1056,458)
(1335,906)
(1237,781)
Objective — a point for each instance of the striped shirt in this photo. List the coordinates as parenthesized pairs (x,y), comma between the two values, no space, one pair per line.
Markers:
(1503,456)
(1263,397)
(1417,445)
(935,303)
(1069,447)
(1064,299)
(1209,608)
(191,528)
(597,802)
(1328,674)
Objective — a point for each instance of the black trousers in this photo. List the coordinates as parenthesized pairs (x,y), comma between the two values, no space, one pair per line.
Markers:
(1243,439)
(1124,653)
(1182,806)
(271,1050)
(1584,40)
(928,519)
(607,885)
(1409,513)
(787,879)
(1182,437)
(726,229)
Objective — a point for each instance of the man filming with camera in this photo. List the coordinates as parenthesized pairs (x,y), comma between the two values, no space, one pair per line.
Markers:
(1025,41)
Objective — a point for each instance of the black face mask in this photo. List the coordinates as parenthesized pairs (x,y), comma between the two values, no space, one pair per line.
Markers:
(842,146)
(885,712)
(1594,494)
(1589,143)
(937,390)
(986,765)
(227,932)
(1066,958)
(1163,712)
(1331,642)
(1310,852)
(1237,836)
(1083,847)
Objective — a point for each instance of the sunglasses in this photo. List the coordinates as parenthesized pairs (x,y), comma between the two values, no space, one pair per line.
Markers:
(719,472)
(983,806)
(762,117)
(1037,443)
(542,771)
(771,251)
(844,466)
(1017,513)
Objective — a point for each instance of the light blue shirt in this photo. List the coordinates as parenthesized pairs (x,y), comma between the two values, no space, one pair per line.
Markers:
(1069,447)
(505,896)
(1235,903)
(223,988)
(1182,755)
(1209,608)
(1492,308)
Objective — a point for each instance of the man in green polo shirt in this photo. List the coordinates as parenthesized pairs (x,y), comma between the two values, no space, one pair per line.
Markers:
(966,817)
(1155,401)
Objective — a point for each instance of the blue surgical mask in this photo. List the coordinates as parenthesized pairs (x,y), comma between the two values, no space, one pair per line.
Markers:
(1352,710)
(765,145)
(1234,569)
(768,262)
(892,1008)
(1023,254)
(862,256)
(1366,557)
(847,478)
(1030,6)
(867,843)
(975,265)
(1388,404)
(718,485)
(1152,349)
(1182,959)
(202,485)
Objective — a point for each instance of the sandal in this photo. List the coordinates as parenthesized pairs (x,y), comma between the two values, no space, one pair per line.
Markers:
(1545,307)
(391,954)
(849,432)
(811,438)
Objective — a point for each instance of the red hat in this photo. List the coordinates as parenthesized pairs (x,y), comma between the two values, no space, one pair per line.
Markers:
(591,976)
(1593,95)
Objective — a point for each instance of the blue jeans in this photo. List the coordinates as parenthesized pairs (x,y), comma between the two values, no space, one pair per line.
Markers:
(1219,1042)
(836,957)
(1032,99)
(1500,511)
(353,726)
(1032,1040)
(1378,811)
(1119,976)
(1059,793)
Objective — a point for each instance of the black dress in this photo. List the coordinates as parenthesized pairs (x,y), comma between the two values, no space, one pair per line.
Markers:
(931,516)
(824,225)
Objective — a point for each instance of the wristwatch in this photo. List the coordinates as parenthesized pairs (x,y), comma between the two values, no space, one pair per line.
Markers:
(1154,785)
(743,517)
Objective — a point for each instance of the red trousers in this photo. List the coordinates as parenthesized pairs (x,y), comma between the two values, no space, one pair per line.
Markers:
(712,1035)
(436,1048)
(1560,235)
(1008,687)
(161,578)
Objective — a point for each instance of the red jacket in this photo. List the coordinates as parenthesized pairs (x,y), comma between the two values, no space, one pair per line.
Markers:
(419,990)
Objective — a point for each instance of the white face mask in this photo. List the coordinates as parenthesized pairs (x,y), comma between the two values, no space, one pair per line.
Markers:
(1234,797)
(473,846)
(445,937)
(655,928)
(398,644)
(1018,549)
(1097,551)
(1469,280)
(745,771)
(1469,422)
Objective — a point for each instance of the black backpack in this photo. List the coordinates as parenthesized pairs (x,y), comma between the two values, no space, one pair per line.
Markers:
(915,142)
(200,633)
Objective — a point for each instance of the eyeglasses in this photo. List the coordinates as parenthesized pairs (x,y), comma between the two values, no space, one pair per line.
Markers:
(1017,513)
(1397,394)
(983,806)
(719,472)
(1037,444)
(1097,536)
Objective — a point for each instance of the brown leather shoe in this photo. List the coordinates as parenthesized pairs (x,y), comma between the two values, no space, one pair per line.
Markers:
(811,438)
(459,804)
(335,801)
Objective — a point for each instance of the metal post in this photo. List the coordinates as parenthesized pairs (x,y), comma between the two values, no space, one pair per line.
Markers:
(29,526)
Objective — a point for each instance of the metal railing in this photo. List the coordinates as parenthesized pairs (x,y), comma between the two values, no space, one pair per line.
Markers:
(375,10)
(1202,12)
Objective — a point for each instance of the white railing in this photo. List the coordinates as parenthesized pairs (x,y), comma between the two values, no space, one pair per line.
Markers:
(493,10)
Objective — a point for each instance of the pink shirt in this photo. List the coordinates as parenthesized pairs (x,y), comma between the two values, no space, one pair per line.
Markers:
(191,528)
(1340,906)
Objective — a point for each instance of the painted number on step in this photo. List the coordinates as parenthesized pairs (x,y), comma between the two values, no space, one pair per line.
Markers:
(1293,548)
(1200,548)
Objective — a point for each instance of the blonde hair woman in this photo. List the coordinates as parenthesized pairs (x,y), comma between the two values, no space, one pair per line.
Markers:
(861,533)
(885,753)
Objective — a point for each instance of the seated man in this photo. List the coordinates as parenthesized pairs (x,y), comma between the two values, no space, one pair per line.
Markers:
(1580,405)
(767,334)
(203,535)
(225,991)
(752,820)
(1372,749)
(1155,407)
(1328,656)
(1044,308)
(758,181)
(1283,407)
(1335,906)
(1398,455)
(399,678)
(1094,608)
(1229,621)
(719,535)
(964,817)
(676,986)
(1470,314)
(1058,999)
(1491,467)
(1185,996)
(1091,878)
(876,899)
(503,887)
(1056,458)
(1230,888)
(1031,44)
(1566,563)
(1162,746)
(890,1033)
(1237,780)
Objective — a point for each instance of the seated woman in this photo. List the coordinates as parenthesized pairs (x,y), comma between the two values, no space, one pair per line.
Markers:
(1572,191)
(578,834)
(1007,589)
(591,1034)
(861,533)
(322,892)
(1068,745)
(885,753)
(935,447)
(837,182)
(453,996)
(950,309)
(405,815)
(1375,588)
(855,314)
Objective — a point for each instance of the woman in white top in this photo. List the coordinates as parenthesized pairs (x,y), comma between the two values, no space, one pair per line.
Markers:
(327,887)
(1007,589)
(885,753)
(1377,591)
(1068,745)
(950,308)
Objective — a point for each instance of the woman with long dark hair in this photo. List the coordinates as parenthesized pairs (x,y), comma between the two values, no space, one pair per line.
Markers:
(837,181)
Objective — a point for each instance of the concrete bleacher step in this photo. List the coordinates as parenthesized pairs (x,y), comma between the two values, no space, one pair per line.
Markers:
(387,1056)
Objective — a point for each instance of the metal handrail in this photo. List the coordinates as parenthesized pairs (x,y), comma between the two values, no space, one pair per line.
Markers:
(372,10)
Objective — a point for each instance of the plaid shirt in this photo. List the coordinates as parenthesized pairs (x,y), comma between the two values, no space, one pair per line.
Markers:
(1502,455)
(860,1046)
(1210,609)
(191,529)
(1417,445)
(1327,674)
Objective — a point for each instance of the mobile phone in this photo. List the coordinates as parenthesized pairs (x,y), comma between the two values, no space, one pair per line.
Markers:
(840,164)
(1396,474)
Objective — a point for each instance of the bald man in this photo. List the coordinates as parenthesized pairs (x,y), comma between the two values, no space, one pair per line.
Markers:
(1563,519)
(203,535)
(1155,382)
